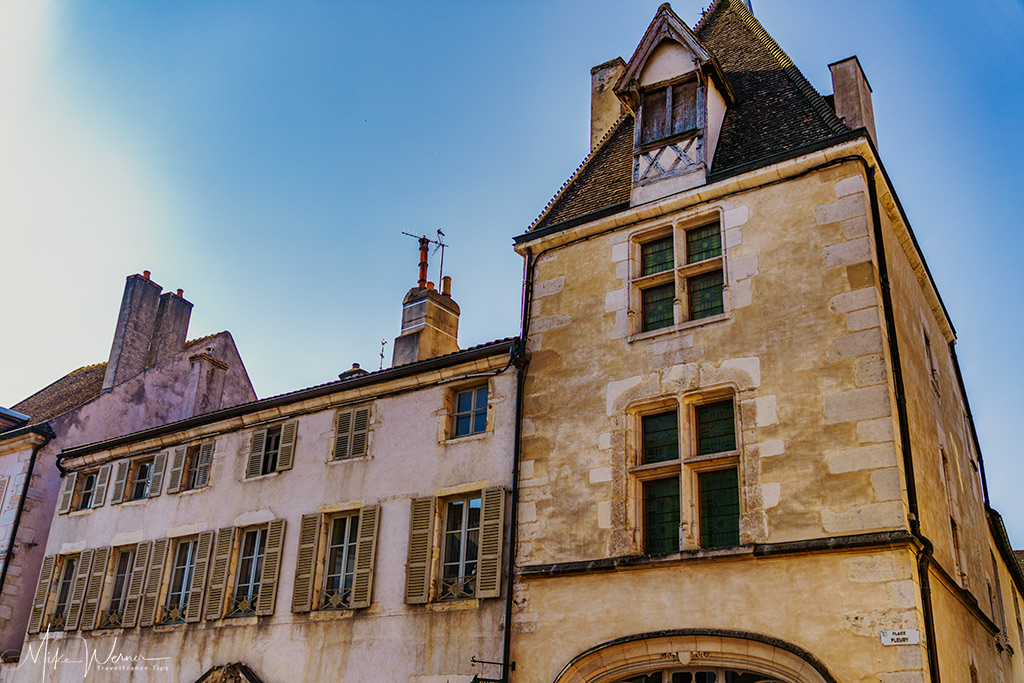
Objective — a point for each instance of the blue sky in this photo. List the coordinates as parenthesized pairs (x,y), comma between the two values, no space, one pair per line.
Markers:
(266,157)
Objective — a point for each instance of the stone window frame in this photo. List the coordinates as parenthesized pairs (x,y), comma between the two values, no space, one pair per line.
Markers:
(679,275)
(689,465)
(446,427)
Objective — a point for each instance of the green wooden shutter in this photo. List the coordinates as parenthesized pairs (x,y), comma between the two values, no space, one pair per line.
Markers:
(366,548)
(120,480)
(360,431)
(421,536)
(305,563)
(156,478)
(194,608)
(286,451)
(203,462)
(177,466)
(137,583)
(492,523)
(342,433)
(102,480)
(255,465)
(35,620)
(67,493)
(94,590)
(154,580)
(271,568)
(82,573)
(219,573)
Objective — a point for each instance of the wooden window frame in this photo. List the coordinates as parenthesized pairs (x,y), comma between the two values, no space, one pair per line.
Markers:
(311,566)
(284,458)
(666,89)
(353,428)
(112,614)
(453,413)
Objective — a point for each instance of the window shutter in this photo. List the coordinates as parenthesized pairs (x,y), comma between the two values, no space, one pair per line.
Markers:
(156,479)
(219,573)
(67,493)
(492,522)
(35,621)
(360,425)
(120,479)
(202,465)
(287,448)
(341,435)
(305,563)
(177,465)
(137,583)
(102,479)
(154,578)
(82,573)
(271,568)
(194,608)
(366,547)
(421,536)
(94,590)
(3,491)
(259,440)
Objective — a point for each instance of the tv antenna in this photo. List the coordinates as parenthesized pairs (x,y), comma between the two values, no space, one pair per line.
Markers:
(439,245)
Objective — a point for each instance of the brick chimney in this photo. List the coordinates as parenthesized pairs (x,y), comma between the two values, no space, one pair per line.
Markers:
(853,95)
(135,323)
(605,107)
(170,329)
(430,320)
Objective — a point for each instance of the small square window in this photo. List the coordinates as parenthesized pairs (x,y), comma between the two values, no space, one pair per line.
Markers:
(661,437)
(351,433)
(470,414)
(658,304)
(271,447)
(656,256)
(669,110)
(705,295)
(716,429)
(88,491)
(703,243)
(141,475)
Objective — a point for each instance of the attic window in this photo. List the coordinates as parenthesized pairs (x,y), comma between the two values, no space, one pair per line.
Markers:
(668,111)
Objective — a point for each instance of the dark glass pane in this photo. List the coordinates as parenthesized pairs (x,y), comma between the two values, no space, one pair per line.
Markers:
(479,421)
(716,429)
(703,243)
(704,677)
(705,295)
(682,677)
(661,437)
(719,508)
(481,398)
(472,545)
(474,513)
(657,303)
(661,516)
(656,256)
(462,425)
(655,119)
(455,515)
(464,402)
(684,107)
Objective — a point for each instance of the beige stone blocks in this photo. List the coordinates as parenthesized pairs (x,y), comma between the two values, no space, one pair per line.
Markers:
(860,518)
(856,344)
(857,404)
(862,458)
(842,209)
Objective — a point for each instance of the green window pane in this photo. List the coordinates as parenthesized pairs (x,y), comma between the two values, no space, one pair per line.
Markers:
(661,516)
(661,437)
(656,256)
(716,429)
(705,295)
(703,243)
(719,508)
(657,307)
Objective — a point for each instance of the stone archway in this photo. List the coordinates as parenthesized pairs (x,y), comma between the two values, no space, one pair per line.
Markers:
(624,658)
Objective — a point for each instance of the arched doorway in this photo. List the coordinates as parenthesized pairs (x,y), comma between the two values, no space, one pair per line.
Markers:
(703,675)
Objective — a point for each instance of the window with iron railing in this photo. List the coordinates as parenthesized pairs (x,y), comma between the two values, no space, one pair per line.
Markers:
(460,549)
(340,565)
(250,567)
(113,616)
(184,560)
(58,619)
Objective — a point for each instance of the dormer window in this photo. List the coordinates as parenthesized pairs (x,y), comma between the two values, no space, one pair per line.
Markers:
(669,111)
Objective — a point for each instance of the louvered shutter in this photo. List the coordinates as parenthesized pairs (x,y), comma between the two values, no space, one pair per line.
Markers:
(3,491)
(120,479)
(492,523)
(137,583)
(286,452)
(271,568)
(102,480)
(177,467)
(194,608)
(82,572)
(342,433)
(219,573)
(360,429)
(203,461)
(154,579)
(35,620)
(366,548)
(305,563)
(94,590)
(67,493)
(156,478)
(255,465)
(417,567)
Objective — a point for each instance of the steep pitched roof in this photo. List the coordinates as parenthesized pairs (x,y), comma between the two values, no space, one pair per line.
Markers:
(776,111)
(72,390)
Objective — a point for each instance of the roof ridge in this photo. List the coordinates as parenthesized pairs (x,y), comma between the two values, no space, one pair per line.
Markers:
(190,342)
(579,170)
(789,68)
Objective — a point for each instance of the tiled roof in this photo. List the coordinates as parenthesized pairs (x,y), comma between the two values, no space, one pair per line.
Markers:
(1019,556)
(776,111)
(72,390)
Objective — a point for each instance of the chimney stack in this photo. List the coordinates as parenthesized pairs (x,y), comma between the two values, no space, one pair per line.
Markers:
(853,95)
(605,107)
(430,320)
(170,329)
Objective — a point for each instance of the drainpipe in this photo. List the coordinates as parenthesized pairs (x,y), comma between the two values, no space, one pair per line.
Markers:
(47,435)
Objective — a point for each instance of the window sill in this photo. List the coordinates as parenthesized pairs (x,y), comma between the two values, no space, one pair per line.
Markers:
(331,614)
(79,513)
(135,501)
(187,492)
(239,621)
(712,457)
(268,475)
(453,605)
(468,437)
(339,461)
(689,324)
